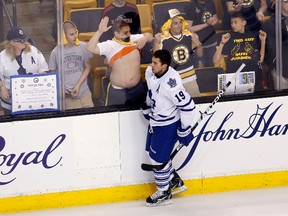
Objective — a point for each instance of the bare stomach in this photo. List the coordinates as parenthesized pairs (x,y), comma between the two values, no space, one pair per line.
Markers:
(126,70)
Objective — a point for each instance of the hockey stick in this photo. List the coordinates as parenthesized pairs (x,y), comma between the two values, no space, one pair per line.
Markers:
(150,167)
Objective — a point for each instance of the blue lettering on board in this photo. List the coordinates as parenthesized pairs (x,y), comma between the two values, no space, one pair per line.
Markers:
(9,162)
(260,124)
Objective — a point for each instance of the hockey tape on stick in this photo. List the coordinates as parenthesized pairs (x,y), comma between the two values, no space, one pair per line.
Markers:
(150,167)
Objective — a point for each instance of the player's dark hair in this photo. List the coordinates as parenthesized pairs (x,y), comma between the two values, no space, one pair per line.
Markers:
(237,14)
(118,25)
(164,56)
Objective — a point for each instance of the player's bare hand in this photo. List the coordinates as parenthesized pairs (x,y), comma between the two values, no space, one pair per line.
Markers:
(262,35)
(103,25)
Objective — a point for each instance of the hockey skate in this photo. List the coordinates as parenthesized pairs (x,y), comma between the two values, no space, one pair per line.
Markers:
(177,184)
(159,198)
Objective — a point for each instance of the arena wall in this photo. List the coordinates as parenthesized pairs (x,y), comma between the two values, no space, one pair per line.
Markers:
(91,159)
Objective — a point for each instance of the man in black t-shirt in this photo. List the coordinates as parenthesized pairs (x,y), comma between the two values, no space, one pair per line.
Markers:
(121,9)
(201,17)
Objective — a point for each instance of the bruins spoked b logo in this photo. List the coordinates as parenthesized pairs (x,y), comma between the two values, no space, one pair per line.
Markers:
(247,3)
(180,54)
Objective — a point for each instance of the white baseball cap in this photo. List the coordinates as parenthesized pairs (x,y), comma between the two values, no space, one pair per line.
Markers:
(175,12)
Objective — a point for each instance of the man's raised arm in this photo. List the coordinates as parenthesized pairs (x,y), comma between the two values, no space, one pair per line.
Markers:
(92,44)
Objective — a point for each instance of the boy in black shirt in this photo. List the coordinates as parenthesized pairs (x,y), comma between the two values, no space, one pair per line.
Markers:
(242,46)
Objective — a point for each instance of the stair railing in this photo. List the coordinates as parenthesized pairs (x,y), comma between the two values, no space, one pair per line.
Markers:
(12,21)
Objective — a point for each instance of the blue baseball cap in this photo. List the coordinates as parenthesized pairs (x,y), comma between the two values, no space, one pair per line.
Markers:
(17,34)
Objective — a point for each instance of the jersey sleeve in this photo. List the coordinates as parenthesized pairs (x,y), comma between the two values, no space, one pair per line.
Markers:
(182,100)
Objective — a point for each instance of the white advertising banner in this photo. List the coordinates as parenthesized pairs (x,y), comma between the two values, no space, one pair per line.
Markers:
(63,154)
(106,150)
(237,137)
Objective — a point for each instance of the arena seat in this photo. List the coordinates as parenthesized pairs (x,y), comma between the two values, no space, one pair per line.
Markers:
(145,18)
(160,12)
(207,79)
(87,21)
(69,5)
(98,70)
(219,12)
(151,2)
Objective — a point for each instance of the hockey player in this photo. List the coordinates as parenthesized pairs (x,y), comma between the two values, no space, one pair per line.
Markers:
(177,39)
(170,111)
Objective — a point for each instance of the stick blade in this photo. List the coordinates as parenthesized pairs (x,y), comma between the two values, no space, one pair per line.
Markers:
(146,167)
(150,167)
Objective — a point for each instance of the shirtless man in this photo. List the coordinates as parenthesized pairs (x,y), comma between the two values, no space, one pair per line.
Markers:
(123,56)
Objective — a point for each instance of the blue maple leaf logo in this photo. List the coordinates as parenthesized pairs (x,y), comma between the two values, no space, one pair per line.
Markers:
(172,83)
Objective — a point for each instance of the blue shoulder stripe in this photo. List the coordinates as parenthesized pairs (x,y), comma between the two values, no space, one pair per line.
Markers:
(187,104)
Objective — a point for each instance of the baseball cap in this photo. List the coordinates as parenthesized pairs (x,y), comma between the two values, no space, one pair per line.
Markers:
(16,33)
(175,12)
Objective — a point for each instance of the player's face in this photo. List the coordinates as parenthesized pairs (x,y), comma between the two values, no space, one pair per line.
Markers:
(176,26)
(238,25)
(71,35)
(157,67)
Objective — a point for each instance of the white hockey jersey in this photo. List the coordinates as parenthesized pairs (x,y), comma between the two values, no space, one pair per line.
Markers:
(168,99)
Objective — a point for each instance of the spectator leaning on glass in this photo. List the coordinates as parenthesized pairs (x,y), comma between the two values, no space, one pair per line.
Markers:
(19,57)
